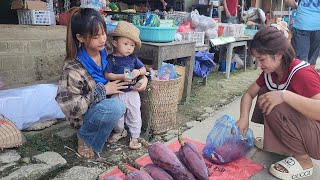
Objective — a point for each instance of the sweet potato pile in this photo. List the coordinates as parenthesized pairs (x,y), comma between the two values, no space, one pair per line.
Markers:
(186,164)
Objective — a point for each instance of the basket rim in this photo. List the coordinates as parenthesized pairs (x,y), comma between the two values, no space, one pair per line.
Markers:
(160,28)
(162,80)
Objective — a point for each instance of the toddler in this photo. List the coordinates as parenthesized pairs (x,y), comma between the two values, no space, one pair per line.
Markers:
(125,66)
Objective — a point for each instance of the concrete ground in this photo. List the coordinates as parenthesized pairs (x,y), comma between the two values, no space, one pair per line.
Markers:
(200,132)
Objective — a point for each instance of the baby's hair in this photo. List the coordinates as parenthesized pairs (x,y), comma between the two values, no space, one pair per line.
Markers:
(270,41)
(114,38)
(83,21)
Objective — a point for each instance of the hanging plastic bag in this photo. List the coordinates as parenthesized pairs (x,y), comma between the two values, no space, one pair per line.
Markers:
(224,143)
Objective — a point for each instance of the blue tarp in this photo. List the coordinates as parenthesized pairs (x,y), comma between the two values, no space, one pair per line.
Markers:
(203,64)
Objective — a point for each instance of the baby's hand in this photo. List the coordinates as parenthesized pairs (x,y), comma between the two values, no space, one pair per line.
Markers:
(135,73)
(126,78)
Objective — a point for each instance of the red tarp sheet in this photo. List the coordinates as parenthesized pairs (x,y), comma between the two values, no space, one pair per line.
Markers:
(240,169)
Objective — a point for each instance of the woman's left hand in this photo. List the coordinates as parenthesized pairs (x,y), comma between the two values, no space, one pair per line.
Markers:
(268,100)
(141,84)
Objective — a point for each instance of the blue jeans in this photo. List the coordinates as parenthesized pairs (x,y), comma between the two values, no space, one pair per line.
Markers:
(306,44)
(99,121)
(232,19)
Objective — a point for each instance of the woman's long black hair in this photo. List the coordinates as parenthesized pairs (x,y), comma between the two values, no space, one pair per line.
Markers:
(83,21)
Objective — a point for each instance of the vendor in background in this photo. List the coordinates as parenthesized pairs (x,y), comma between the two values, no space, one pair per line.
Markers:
(165,6)
(229,14)
(306,30)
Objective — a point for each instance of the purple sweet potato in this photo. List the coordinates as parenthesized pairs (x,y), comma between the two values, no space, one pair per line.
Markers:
(191,157)
(138,175)
(163,157)
(157,173)
(112,178)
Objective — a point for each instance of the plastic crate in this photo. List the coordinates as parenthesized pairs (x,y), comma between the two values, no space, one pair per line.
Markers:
(234,30)
(36,17)
(250,32)
(94,4)
(197,37)
(178,17)
(157,34)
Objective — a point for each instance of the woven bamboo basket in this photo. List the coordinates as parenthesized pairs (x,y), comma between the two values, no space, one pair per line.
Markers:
(181,70)
(10,135)
(164,103)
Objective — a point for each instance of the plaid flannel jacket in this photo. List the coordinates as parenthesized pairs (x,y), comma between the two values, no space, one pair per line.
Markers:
(77,91)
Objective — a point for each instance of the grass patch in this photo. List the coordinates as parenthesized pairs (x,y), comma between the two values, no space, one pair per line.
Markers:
(39,143)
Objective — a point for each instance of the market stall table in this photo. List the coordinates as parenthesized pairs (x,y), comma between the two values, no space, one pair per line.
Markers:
(159,52)
(235,42)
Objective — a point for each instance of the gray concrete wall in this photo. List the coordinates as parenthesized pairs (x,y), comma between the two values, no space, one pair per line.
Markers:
(31,54)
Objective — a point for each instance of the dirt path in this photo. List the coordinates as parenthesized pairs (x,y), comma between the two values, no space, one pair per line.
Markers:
(217,93)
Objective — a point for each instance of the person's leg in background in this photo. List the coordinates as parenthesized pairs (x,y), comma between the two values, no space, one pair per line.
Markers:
(232,19)
(314,47)
(301,43)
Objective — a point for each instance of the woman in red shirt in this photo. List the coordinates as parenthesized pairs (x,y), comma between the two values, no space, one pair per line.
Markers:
(288,104)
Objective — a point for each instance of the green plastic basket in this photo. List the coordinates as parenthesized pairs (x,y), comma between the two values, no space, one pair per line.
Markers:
(157,34)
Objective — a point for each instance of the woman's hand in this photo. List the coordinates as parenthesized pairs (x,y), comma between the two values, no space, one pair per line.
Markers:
(243,125)
(269,100)
(135,73)
(228,15)
(141,84)
(115,87)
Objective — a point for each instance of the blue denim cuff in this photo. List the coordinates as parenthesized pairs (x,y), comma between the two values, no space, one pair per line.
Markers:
(99,93)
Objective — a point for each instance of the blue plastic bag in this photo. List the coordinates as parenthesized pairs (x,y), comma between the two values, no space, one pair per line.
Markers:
(167,71)
(203,63)
(222,146)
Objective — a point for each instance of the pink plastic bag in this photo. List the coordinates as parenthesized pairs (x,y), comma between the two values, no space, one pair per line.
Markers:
(185,27)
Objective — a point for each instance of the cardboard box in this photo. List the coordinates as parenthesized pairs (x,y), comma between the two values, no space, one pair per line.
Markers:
(34,5)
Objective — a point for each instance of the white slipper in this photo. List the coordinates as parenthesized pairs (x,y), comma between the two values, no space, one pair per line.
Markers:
(295,171)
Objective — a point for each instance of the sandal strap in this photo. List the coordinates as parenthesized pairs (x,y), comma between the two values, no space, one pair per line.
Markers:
(291,165)
(134,143)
